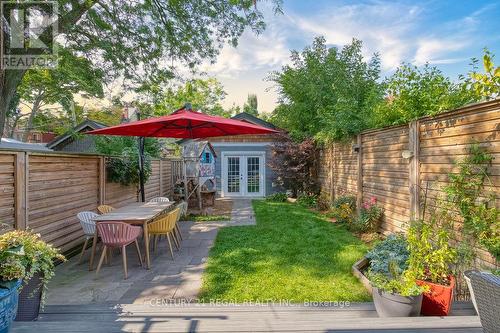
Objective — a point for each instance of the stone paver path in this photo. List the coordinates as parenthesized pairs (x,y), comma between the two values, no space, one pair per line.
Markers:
(178,279)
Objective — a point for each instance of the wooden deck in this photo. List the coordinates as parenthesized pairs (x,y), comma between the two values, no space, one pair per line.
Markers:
(358,318)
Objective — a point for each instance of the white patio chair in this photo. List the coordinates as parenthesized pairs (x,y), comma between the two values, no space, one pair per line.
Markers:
(160,199)
(88,226)
(184,208)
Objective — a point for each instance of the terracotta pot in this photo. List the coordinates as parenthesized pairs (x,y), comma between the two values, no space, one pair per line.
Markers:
(437,301)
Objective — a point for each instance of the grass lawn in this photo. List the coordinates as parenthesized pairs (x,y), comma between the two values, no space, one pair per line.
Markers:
(207,218)
(291,254)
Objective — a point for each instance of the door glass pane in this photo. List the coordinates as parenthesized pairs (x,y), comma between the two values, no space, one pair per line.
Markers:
(253,174)
(233,174)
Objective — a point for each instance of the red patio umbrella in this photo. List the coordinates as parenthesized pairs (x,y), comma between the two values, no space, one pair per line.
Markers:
(183,124)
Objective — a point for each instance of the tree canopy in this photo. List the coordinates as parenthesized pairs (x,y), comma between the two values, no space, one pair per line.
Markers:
(251,106)
(42,87)
(332,94)
(413,92)
(326,92)
(142,41)
(204,94)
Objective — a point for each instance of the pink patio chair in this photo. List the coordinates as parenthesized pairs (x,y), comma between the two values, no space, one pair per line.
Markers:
(88,226)
(118,235)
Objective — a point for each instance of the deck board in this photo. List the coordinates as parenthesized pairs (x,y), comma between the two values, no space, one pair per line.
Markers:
(240,318)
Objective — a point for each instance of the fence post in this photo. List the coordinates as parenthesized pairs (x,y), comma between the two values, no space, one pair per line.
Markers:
(331,164)
(414,169)
(359,196)
(21,188)
(161,177)
(102,180)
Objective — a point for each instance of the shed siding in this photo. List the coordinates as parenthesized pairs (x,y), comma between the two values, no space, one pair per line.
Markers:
(270,176)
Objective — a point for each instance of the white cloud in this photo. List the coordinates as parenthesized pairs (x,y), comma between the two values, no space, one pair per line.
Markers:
(431,49)
(267,50)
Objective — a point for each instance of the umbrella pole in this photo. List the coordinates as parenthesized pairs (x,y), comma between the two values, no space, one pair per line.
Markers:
(141,169)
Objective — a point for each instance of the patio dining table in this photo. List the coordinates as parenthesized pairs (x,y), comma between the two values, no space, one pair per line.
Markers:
(136,213)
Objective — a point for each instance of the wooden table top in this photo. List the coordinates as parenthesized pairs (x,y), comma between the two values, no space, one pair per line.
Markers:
(138,212)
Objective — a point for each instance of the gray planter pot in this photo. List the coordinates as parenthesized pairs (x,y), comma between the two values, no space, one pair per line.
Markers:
(394,305)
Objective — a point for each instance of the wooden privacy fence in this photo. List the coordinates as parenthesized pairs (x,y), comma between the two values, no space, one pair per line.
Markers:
(43,192)
(394,164)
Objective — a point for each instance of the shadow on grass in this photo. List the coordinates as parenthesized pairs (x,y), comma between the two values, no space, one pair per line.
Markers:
(291,254)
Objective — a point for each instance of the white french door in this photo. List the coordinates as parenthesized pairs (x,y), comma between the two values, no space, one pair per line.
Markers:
(243,175)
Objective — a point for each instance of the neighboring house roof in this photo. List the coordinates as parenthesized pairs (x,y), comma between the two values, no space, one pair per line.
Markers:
(85,126)
(194,149)
(19,145)
(253,120)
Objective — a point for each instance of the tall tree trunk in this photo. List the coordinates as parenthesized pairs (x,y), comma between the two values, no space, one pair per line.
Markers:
(29,124)
(9,81)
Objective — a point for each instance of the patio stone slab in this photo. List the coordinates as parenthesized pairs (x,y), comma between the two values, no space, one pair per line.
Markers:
(178,279)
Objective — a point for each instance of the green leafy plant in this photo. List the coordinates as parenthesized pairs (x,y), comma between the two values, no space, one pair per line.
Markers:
(277,197)
(369,218)
(343,209)
(431,255)
(393,249)
(486,84)
(396,281)
(122,166)
(307,200)
(468,193)
(36,256)
(323,203)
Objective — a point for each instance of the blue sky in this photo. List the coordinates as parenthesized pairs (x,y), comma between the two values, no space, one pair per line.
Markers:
(444,33)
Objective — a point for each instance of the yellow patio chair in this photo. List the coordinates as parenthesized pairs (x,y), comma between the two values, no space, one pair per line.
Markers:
(103,209)
(165,225)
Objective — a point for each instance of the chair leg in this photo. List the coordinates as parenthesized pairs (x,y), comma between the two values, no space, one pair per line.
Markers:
(170,245)
(175,232)
(83,250)
(124,255)
(176,240)
(110,255)
(103,254)
(178,230)
(138,251)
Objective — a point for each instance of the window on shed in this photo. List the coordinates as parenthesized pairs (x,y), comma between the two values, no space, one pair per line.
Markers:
(206,157)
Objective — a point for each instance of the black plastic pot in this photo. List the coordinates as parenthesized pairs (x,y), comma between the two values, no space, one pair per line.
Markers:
(29,299)
(395,305)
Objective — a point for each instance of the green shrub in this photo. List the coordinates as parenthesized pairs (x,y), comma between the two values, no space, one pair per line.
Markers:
(395,282)
(307,200)
(480,216)
(343,209)
(392,249)
(369,218)
(277,197)
(323,203)
(431,256)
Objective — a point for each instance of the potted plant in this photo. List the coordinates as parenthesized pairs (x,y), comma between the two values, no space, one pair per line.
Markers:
(37,261)
(396,294)
(11,273)
(431,258)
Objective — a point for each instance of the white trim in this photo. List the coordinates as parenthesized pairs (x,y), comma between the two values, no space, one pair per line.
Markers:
(260,154)
(241,144)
